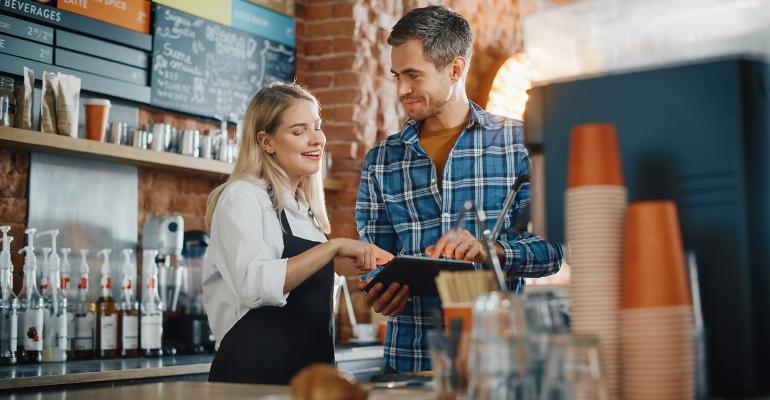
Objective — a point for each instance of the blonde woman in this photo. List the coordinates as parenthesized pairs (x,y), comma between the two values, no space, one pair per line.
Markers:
(268,275)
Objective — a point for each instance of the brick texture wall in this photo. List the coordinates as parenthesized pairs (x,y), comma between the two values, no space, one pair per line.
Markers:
(14,170)
(174,192)
(342,57)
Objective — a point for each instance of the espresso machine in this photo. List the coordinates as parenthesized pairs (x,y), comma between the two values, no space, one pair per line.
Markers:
(165,233)
(162,242)
(188,329)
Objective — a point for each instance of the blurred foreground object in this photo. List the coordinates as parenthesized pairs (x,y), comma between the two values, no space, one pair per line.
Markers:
(324,382)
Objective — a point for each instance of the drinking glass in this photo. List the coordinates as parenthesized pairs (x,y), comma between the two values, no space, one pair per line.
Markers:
(573,370)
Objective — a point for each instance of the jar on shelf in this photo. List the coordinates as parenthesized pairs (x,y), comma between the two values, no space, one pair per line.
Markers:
(7,101)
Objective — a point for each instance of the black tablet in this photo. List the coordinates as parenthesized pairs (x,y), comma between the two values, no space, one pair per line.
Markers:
(417,272)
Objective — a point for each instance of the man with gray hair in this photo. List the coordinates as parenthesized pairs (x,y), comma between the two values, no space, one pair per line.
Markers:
(415,182)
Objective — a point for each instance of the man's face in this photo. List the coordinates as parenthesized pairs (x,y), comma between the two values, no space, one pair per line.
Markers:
(422,87)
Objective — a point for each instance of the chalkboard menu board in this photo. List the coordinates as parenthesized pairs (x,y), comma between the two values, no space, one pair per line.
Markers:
(203,68)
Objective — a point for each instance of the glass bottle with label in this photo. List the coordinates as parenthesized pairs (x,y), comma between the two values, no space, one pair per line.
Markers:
(31,307)
(9,305)
(128,311)
(106,313)
(84,314)
(151,320)
(55,316)
(71,296)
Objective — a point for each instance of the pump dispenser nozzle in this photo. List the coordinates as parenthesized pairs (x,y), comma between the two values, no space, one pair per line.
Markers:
(5,254)
(106,262)
(106,283)
(6,239)
(30,262)
(30,237)
(128,268)
(54,261)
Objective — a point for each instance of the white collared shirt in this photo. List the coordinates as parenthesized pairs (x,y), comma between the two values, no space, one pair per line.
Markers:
(243,267)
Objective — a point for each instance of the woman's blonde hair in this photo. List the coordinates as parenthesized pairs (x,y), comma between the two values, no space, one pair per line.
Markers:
(255,165)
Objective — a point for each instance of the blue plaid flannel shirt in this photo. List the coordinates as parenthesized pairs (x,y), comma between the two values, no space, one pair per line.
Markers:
(401,209)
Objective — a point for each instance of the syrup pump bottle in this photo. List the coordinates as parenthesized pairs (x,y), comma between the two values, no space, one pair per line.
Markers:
(31,306)
(55,315)
(106,313)
(84,314)
(128,314)
(151,319)
(71,296)
(9,305)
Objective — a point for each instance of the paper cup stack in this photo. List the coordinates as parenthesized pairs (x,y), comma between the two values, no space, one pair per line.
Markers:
(595,210)
(657,317)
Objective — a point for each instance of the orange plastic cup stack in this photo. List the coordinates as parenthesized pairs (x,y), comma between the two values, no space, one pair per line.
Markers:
(595,210)
(657,317)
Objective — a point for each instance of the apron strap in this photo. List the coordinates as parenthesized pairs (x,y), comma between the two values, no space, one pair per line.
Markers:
(285,223)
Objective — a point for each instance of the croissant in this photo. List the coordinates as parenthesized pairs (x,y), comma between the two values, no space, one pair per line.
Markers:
(324,382)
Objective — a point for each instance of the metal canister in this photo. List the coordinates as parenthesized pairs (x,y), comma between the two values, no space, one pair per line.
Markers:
(118,131)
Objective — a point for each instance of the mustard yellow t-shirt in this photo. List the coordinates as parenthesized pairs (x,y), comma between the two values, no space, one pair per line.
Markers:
(438,144)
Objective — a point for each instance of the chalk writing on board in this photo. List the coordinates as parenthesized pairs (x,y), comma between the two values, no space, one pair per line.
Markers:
(208,69)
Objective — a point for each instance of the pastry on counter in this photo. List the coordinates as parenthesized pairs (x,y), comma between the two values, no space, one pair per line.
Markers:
(324,382)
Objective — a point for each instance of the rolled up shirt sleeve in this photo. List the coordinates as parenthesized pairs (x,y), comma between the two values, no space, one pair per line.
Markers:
(250,250)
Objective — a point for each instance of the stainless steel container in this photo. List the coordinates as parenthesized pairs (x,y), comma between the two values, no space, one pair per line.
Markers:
(139,139)
(160,133)
(191,143)
(207,144)
(119,133)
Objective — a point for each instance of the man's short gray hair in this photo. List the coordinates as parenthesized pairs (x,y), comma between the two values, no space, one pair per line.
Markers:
(444,33)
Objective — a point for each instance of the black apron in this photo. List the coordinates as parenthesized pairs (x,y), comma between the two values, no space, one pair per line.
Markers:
(270,344)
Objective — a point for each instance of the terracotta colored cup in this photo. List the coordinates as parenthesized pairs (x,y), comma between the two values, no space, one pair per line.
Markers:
(594,157)
(97,111)
(654,273)
(463,312)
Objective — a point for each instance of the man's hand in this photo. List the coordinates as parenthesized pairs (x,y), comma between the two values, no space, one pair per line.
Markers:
(390,302)
(459,245)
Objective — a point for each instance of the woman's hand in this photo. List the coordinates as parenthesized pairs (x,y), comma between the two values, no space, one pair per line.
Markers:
(365,257)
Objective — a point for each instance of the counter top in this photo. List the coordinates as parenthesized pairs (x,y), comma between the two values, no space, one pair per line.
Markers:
(47,374)
(204,391)
(89,371)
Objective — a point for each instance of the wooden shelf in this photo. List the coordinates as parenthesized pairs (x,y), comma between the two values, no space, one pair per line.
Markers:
(35,141)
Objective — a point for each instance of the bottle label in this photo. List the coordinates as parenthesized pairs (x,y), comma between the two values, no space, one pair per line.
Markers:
(84,331)
(130,334)
(62,338)
(152,330)
(55,337)
(70,330)
(109,329)
(33,330)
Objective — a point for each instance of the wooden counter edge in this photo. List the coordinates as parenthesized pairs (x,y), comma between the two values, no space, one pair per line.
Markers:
(101,376)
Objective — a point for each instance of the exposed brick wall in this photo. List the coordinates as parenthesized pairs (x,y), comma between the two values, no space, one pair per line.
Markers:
(163,192)
(496,36)
(14,169)
(343,57)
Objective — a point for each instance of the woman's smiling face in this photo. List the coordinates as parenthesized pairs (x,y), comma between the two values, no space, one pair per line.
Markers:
(298,142)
